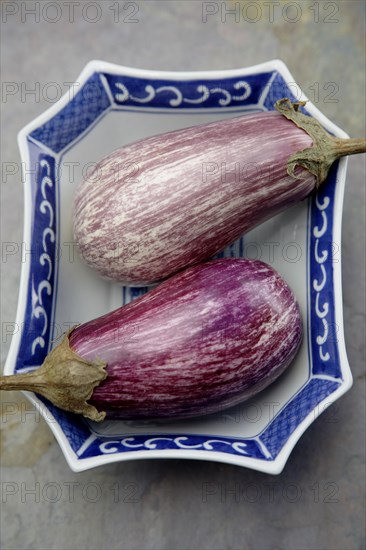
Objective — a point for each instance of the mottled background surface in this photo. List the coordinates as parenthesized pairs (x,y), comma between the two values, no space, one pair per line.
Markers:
(318,500)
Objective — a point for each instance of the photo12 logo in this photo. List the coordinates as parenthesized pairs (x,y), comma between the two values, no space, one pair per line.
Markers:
(270,12)
(70,11)
(90,492)
(291,492)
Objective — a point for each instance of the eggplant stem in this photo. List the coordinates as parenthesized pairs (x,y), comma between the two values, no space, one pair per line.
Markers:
(325,150)
(352,146)
(65,379)
(26,382)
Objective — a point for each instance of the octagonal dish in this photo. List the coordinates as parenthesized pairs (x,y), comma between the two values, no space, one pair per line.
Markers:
(109,106)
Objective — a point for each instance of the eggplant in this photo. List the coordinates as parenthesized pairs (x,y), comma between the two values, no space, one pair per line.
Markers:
(206,339)
(154,207)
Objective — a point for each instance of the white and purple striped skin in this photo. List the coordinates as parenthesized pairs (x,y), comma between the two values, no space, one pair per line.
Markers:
(204,340)
(157,206)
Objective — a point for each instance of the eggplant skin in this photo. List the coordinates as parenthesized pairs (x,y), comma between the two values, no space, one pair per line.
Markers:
(157,206)
(204,340)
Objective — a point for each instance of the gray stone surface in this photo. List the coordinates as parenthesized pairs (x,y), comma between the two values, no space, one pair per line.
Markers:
(318,501)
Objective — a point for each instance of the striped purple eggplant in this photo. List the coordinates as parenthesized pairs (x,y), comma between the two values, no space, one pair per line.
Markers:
(170,201)
(204,340)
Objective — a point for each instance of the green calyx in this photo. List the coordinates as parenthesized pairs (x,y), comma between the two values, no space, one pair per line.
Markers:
(326,149)
(65,379)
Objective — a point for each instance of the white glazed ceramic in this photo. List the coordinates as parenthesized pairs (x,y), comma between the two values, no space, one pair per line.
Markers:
(109,106)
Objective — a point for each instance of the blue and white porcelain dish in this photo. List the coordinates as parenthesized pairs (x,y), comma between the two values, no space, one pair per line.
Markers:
(110,106)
